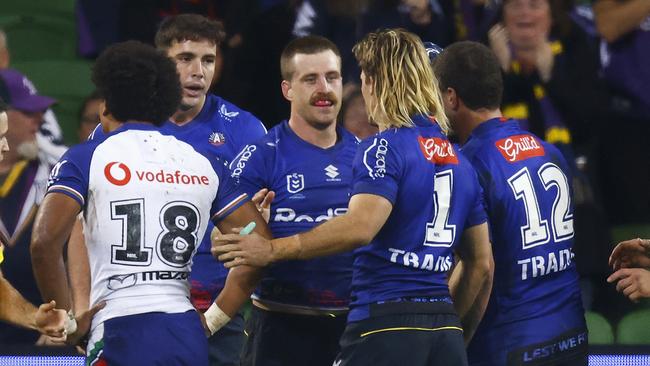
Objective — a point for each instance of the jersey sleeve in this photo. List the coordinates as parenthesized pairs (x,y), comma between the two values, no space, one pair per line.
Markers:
(477,212)
(377,168)
(70,175)
(248,169)
(254,128)
(229,195)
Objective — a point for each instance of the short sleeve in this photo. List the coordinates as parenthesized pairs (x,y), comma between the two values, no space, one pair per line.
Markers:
(248,169)
(229,195)
(377,168)
(70,174)
(477,212)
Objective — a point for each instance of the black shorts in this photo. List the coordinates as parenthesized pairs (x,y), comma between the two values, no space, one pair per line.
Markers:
(415,338)
(286,339)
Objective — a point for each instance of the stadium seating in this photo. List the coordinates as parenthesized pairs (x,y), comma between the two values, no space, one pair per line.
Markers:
(600,331)
(634,328)
(38,37)
(59,8)
(67,81)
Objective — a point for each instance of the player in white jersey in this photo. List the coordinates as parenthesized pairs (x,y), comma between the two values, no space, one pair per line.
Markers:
(147,199)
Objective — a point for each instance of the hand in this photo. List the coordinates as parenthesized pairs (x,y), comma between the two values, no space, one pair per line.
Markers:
(499,43)
(632,282)
(235,250)
(83,323)
(51,321)
(45,340)
(262,200)
(544,60)
(631,253)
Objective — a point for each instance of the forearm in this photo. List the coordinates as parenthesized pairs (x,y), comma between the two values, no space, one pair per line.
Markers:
(475,313)
(616,18)
(341,234)
(14,308)
(240,284)
(78,270)
(470,286)
(51,278)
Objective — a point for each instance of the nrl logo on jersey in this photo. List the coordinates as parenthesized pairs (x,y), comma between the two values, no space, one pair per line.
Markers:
(217,138)
(295,183)
(437,150)
(223,111)
(519,147)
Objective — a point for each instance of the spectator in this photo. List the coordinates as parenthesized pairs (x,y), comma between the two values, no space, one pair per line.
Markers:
(88,116)
(354,117)
(625,56)
(4,50)
(23,177)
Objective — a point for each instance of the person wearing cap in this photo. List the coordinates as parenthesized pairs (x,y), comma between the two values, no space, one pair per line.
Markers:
(23,178)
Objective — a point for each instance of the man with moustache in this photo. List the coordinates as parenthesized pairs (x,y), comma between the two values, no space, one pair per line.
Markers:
(300,307)
(23,179)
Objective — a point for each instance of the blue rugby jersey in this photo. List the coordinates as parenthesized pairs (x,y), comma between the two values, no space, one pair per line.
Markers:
(311,186)
(529,200)
(435,195)
(220,129)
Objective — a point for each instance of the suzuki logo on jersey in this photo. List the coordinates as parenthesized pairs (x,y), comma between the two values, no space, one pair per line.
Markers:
(217,138)
(378,168)
(122,178)
(119,174)
(227,115)
(438,151)
(519,147)
(295,183)
(289,215)
(332,172)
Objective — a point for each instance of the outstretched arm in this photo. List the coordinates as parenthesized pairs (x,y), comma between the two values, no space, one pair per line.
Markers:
(366,215)
(616,18)
(470,283)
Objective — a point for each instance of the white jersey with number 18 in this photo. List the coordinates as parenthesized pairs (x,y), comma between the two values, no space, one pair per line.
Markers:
(146,200)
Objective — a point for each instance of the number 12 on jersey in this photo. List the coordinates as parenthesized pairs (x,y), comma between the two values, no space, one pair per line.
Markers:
(536,230)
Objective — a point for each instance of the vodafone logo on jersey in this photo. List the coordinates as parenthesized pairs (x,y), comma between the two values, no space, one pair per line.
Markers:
(438,151)
(519,147)
(119,174)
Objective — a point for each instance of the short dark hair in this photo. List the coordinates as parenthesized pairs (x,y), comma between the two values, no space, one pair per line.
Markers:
(189,27)
(472,70)
(307,45)
(92,96)
(137,82)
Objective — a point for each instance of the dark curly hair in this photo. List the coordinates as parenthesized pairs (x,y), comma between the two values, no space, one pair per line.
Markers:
(189,27)
(137,82)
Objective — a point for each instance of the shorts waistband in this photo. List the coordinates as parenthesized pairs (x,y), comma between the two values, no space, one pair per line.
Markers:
(414,305)
(297,310)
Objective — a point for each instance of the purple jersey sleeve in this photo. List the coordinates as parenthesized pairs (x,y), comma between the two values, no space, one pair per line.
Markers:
(377,169)
(229,196)
(249,169)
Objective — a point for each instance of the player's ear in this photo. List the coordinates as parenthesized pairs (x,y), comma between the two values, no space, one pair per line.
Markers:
(450,98)
(287,91)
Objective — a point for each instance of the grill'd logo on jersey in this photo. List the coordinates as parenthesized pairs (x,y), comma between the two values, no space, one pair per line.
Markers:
(437,150)
(519,147)
(217,138)
(160,176)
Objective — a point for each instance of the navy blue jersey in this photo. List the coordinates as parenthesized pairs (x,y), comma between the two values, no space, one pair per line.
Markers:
(311,186)
(528,197)
(220,129)
(435,195)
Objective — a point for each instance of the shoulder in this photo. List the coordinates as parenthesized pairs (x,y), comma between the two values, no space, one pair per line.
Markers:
(230,112)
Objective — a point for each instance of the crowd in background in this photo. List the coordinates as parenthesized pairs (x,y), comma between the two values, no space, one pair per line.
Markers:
(575,74)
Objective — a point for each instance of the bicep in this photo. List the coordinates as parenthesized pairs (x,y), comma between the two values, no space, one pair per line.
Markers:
(243,215)
(475,243)
(369,211)
(55,219)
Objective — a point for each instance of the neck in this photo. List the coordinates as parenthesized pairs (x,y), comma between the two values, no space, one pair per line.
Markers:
(324,138)
(10,158)
(182,117)
(474,119)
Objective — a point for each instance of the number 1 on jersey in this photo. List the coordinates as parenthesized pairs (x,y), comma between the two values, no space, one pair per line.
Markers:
(438,232)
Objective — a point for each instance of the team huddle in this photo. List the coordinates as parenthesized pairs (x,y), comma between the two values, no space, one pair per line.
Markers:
(399,249)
